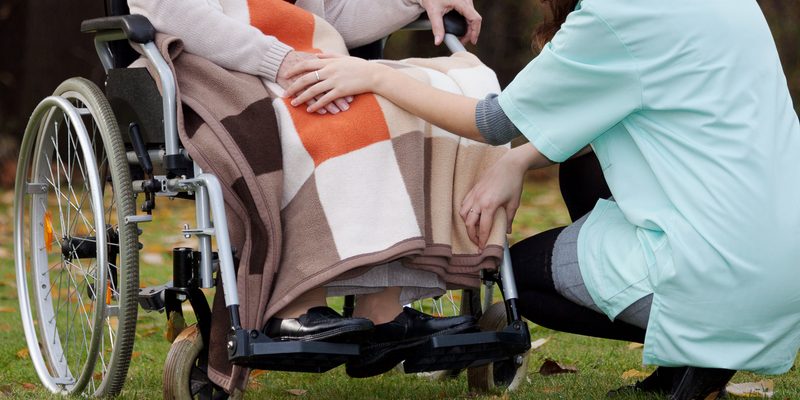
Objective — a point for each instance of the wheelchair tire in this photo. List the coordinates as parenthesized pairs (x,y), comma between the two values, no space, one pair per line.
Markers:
(184,377)
(505,375)
(469,304)
(76,258)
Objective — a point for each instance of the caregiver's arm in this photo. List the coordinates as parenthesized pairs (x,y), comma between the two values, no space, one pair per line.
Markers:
(343,76)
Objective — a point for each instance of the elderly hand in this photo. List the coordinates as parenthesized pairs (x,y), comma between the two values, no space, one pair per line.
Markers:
(436,10)
(286,77)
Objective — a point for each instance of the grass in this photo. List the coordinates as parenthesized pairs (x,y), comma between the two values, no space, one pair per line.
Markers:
(600,363)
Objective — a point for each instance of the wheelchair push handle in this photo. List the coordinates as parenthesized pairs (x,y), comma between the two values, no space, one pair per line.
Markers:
(136,28)
(454,24)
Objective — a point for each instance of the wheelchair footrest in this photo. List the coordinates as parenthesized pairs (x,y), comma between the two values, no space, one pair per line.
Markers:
(153,298)
(454,352)
(255,350)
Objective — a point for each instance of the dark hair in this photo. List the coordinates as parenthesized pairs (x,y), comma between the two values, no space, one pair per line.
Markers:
(558,11)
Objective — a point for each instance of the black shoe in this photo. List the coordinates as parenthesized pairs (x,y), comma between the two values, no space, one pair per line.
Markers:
(661,381)
(394,340)
(702,384)
(320,324)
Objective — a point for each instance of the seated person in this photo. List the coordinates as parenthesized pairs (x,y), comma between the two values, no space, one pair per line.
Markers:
(208,28)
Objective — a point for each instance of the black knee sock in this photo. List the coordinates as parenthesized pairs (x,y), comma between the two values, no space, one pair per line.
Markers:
(543,305)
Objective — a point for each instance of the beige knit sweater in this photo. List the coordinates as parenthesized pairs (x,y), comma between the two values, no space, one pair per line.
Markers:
(220,30)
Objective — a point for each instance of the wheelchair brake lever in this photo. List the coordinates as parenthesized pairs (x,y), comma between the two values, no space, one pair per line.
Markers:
(151,184)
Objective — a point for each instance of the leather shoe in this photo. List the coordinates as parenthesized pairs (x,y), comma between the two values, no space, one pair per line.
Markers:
(320,324)
(660,381)
(702,384)
(393,341)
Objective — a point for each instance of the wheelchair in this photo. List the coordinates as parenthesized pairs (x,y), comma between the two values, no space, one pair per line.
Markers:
(89,159)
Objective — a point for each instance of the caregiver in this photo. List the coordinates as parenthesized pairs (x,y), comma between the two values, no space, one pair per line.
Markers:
(686,107)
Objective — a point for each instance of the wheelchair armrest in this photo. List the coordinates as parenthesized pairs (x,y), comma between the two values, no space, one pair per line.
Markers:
(454,23)
(136,28)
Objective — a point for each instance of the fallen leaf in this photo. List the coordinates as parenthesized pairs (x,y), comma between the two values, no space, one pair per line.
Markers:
(5,253)
(23,354)
(538,343)
(4,327)
(297,392)
(7,310)
(764,388)
(175,325)
(634,346)
(257,373)
(153,258)
(551,367)
(634,373)
(552,389)
(135,355)
(29,386)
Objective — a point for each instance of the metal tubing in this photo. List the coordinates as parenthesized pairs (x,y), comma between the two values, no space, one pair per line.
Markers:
(168,99)
(28,143)
(507,275)
(217,207)
(452,43)
(203,217)
(103,51)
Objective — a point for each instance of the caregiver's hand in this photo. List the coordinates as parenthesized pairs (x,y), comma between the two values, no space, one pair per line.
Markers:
(436,10)
(286,77)
(332,77)
(498,186)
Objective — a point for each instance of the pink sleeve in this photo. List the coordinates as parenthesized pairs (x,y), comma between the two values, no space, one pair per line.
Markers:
(364,21)
(208,32)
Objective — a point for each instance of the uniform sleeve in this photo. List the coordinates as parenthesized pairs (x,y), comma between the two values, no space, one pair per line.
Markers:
(582,83)
(209,33)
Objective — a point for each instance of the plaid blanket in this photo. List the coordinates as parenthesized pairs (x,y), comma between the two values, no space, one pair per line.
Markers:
(311,198)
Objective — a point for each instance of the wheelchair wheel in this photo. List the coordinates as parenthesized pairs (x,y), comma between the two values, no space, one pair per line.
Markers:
(505,374)
(185,377)
(76,258)
(453,302)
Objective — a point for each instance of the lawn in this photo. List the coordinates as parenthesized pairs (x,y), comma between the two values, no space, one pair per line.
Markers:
(601,364)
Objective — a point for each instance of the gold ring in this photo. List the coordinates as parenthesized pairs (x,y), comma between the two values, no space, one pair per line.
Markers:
(316,73)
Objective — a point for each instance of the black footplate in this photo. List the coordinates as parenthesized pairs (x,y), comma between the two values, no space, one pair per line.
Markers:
(153,298)
(255,350)
(454,352)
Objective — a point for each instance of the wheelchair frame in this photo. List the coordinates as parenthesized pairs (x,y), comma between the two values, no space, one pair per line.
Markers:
(193,270)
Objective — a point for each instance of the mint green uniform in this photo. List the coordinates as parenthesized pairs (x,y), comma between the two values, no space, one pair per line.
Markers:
(687,108)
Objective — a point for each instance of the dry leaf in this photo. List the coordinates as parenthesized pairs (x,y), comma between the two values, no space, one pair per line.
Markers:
(28,386)
(7,310)
(153,258)
(257,373)
(634,346)
(551,367)
(635,373)
(552,389)
(4,327)
(297,392)
(763,388)
(23,354)
(175,325)
(538,343)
